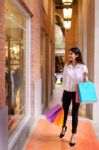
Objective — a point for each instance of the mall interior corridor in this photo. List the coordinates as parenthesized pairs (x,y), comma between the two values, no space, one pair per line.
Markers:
(36,37)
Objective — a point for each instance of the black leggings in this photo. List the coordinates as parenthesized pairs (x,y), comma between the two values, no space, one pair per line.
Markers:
(66,100)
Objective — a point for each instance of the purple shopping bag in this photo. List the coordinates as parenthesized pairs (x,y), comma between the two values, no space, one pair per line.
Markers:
(52,113)
(52,117)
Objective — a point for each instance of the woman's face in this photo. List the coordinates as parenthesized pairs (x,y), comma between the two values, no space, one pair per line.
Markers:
(72,56)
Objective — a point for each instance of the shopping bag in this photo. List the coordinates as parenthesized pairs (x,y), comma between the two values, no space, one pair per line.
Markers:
(53,116)
(59,118)
(87,92)
(77,96)
(52,113)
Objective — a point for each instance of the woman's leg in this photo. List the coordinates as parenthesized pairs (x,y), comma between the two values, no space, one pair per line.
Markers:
(75,109)
(66,103)
(66,99)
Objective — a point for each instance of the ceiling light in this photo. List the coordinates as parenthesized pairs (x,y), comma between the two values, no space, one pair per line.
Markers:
(67,2)
(67,12)
(67,24)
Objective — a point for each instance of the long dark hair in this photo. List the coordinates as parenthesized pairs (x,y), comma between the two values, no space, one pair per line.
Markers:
(77,51)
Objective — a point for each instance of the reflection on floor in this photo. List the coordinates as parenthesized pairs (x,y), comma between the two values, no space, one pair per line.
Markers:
(46,137)
(14,120)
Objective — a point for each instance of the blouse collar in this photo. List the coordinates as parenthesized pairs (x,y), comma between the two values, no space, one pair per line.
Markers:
(77,66)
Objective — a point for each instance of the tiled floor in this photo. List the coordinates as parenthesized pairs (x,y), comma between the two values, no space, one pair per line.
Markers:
(46,137)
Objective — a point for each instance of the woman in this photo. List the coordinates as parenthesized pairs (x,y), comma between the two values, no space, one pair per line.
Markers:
(74,72)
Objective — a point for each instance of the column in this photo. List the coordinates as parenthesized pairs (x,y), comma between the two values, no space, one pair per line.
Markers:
(96,61)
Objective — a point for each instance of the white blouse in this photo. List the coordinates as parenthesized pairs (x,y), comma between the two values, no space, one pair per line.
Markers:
(73,75)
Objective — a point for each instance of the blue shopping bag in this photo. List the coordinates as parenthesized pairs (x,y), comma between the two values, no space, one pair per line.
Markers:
(87,92)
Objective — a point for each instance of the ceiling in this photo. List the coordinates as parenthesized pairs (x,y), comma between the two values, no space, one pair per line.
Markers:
(59,15)
(58,4)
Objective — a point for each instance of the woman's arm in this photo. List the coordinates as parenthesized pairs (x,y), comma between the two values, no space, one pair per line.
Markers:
(85,77)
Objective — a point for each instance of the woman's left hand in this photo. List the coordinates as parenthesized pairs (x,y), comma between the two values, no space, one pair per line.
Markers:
(85,77)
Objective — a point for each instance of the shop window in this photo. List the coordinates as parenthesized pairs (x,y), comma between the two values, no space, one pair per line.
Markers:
(15,44)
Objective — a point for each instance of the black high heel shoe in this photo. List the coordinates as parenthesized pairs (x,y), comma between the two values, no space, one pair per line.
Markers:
(72,143)
(63,133)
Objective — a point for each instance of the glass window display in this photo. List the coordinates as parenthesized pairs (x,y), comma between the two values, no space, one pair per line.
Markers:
(15,44)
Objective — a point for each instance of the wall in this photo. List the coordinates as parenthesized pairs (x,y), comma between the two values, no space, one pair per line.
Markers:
(90,48)
(47,52)
(2,55)
(82,28)
(3,110)
(88,33)
(34,8)
(42,20)
(3,128)
(86,40)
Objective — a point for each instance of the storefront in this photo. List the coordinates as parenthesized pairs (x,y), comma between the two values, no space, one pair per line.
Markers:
(20,63)
(17,60)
